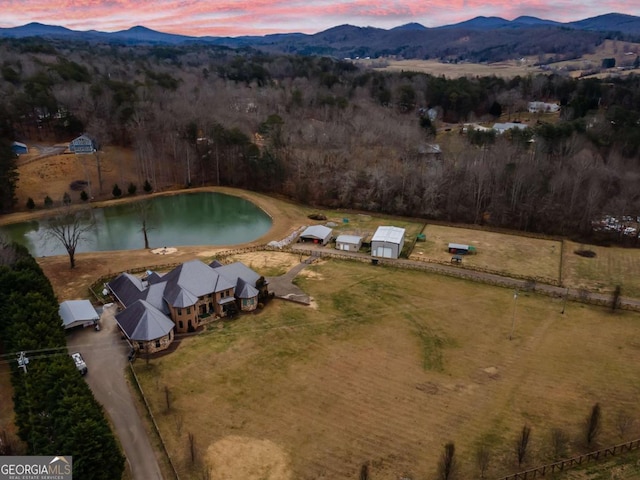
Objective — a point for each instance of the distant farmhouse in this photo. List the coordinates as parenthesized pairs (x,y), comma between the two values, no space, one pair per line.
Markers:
(182,300)
(500,128)
(543,107)
(84,144)
(387,242)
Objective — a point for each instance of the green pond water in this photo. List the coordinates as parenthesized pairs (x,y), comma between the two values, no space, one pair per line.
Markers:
(177,220)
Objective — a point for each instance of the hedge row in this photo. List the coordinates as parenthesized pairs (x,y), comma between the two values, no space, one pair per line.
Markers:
(56,413)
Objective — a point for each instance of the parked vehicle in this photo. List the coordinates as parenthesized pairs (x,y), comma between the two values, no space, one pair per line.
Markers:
(80,364)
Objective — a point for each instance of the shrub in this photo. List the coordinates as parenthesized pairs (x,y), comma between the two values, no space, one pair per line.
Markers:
(585,253)
(116,192)
(47,201)
(31,204)
(83,196)
(66,199)
(132,188)
(147,186)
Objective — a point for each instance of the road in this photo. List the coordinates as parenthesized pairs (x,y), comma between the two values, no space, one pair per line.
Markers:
(105,354)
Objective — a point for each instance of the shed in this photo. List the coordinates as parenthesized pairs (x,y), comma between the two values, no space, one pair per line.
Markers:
(350,243)
(387,242)
(19,148)
(316,234)
(76,313)
(460,249)
(84,144)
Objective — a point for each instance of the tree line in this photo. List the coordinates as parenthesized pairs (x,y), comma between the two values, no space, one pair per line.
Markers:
(326,132)
(55,411)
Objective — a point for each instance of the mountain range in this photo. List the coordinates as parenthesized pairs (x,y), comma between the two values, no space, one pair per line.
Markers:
(478,39)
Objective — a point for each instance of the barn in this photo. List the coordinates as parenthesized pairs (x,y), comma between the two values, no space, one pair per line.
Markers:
(387,242)
(19,148)
(316,234)
(78,313)
(84,144)
(349,243)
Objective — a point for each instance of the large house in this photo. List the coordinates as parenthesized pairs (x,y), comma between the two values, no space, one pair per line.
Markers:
(188,296)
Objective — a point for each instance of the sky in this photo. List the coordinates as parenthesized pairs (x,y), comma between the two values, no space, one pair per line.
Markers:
(261,17)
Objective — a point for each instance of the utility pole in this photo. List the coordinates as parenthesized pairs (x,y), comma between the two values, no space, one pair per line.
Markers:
(513,319)
(23,362)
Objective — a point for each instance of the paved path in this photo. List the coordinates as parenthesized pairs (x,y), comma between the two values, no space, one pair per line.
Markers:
(105,354)
(283,287)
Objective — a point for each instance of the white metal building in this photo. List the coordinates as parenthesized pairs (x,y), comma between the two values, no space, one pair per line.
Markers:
(350,243)
(76,313)
(387,242)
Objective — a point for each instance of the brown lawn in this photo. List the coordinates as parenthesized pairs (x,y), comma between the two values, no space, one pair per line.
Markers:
(385,371)
(610,267)
(515,255)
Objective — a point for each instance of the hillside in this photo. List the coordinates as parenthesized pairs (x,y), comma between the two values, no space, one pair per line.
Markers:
(481,39)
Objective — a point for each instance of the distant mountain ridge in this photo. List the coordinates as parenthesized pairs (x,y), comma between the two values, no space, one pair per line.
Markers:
(477,39)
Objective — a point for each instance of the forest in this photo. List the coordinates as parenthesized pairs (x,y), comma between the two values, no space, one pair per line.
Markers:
(55,411)
(328,133)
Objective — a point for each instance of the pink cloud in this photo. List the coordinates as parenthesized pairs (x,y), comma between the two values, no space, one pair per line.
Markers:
(243,17)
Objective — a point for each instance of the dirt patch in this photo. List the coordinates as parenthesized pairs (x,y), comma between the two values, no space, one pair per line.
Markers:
(244,458)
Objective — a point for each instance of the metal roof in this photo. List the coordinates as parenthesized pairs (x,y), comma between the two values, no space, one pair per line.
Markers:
(77,312)
(317,231)
(351,239)
(389,234)
(459,246)
(143,322)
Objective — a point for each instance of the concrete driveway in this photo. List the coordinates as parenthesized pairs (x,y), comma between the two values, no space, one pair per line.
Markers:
(105,354)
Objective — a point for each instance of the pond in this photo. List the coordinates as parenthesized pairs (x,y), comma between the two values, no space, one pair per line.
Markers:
(203,218)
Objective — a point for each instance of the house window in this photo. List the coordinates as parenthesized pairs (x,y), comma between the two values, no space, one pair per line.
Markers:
(188,310)
(141,345)
(179,311)
(180,325)
(157,343)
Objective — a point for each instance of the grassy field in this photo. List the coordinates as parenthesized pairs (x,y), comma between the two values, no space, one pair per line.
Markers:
(610,267)
(506,254)
(508,69)
(623,52)
(389,366)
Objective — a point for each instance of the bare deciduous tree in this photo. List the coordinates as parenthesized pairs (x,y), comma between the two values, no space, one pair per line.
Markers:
(448,466)
(624,422)
(559,443)
(522,444)
(483,459)
(68,228)
(592,425)
(143,209)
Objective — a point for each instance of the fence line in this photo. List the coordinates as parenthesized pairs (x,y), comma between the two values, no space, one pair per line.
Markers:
(574,461)
(153,420)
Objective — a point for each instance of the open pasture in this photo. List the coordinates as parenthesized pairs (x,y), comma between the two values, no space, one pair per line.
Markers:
(610,267)
(515,255)
(507,69)
(390,366)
